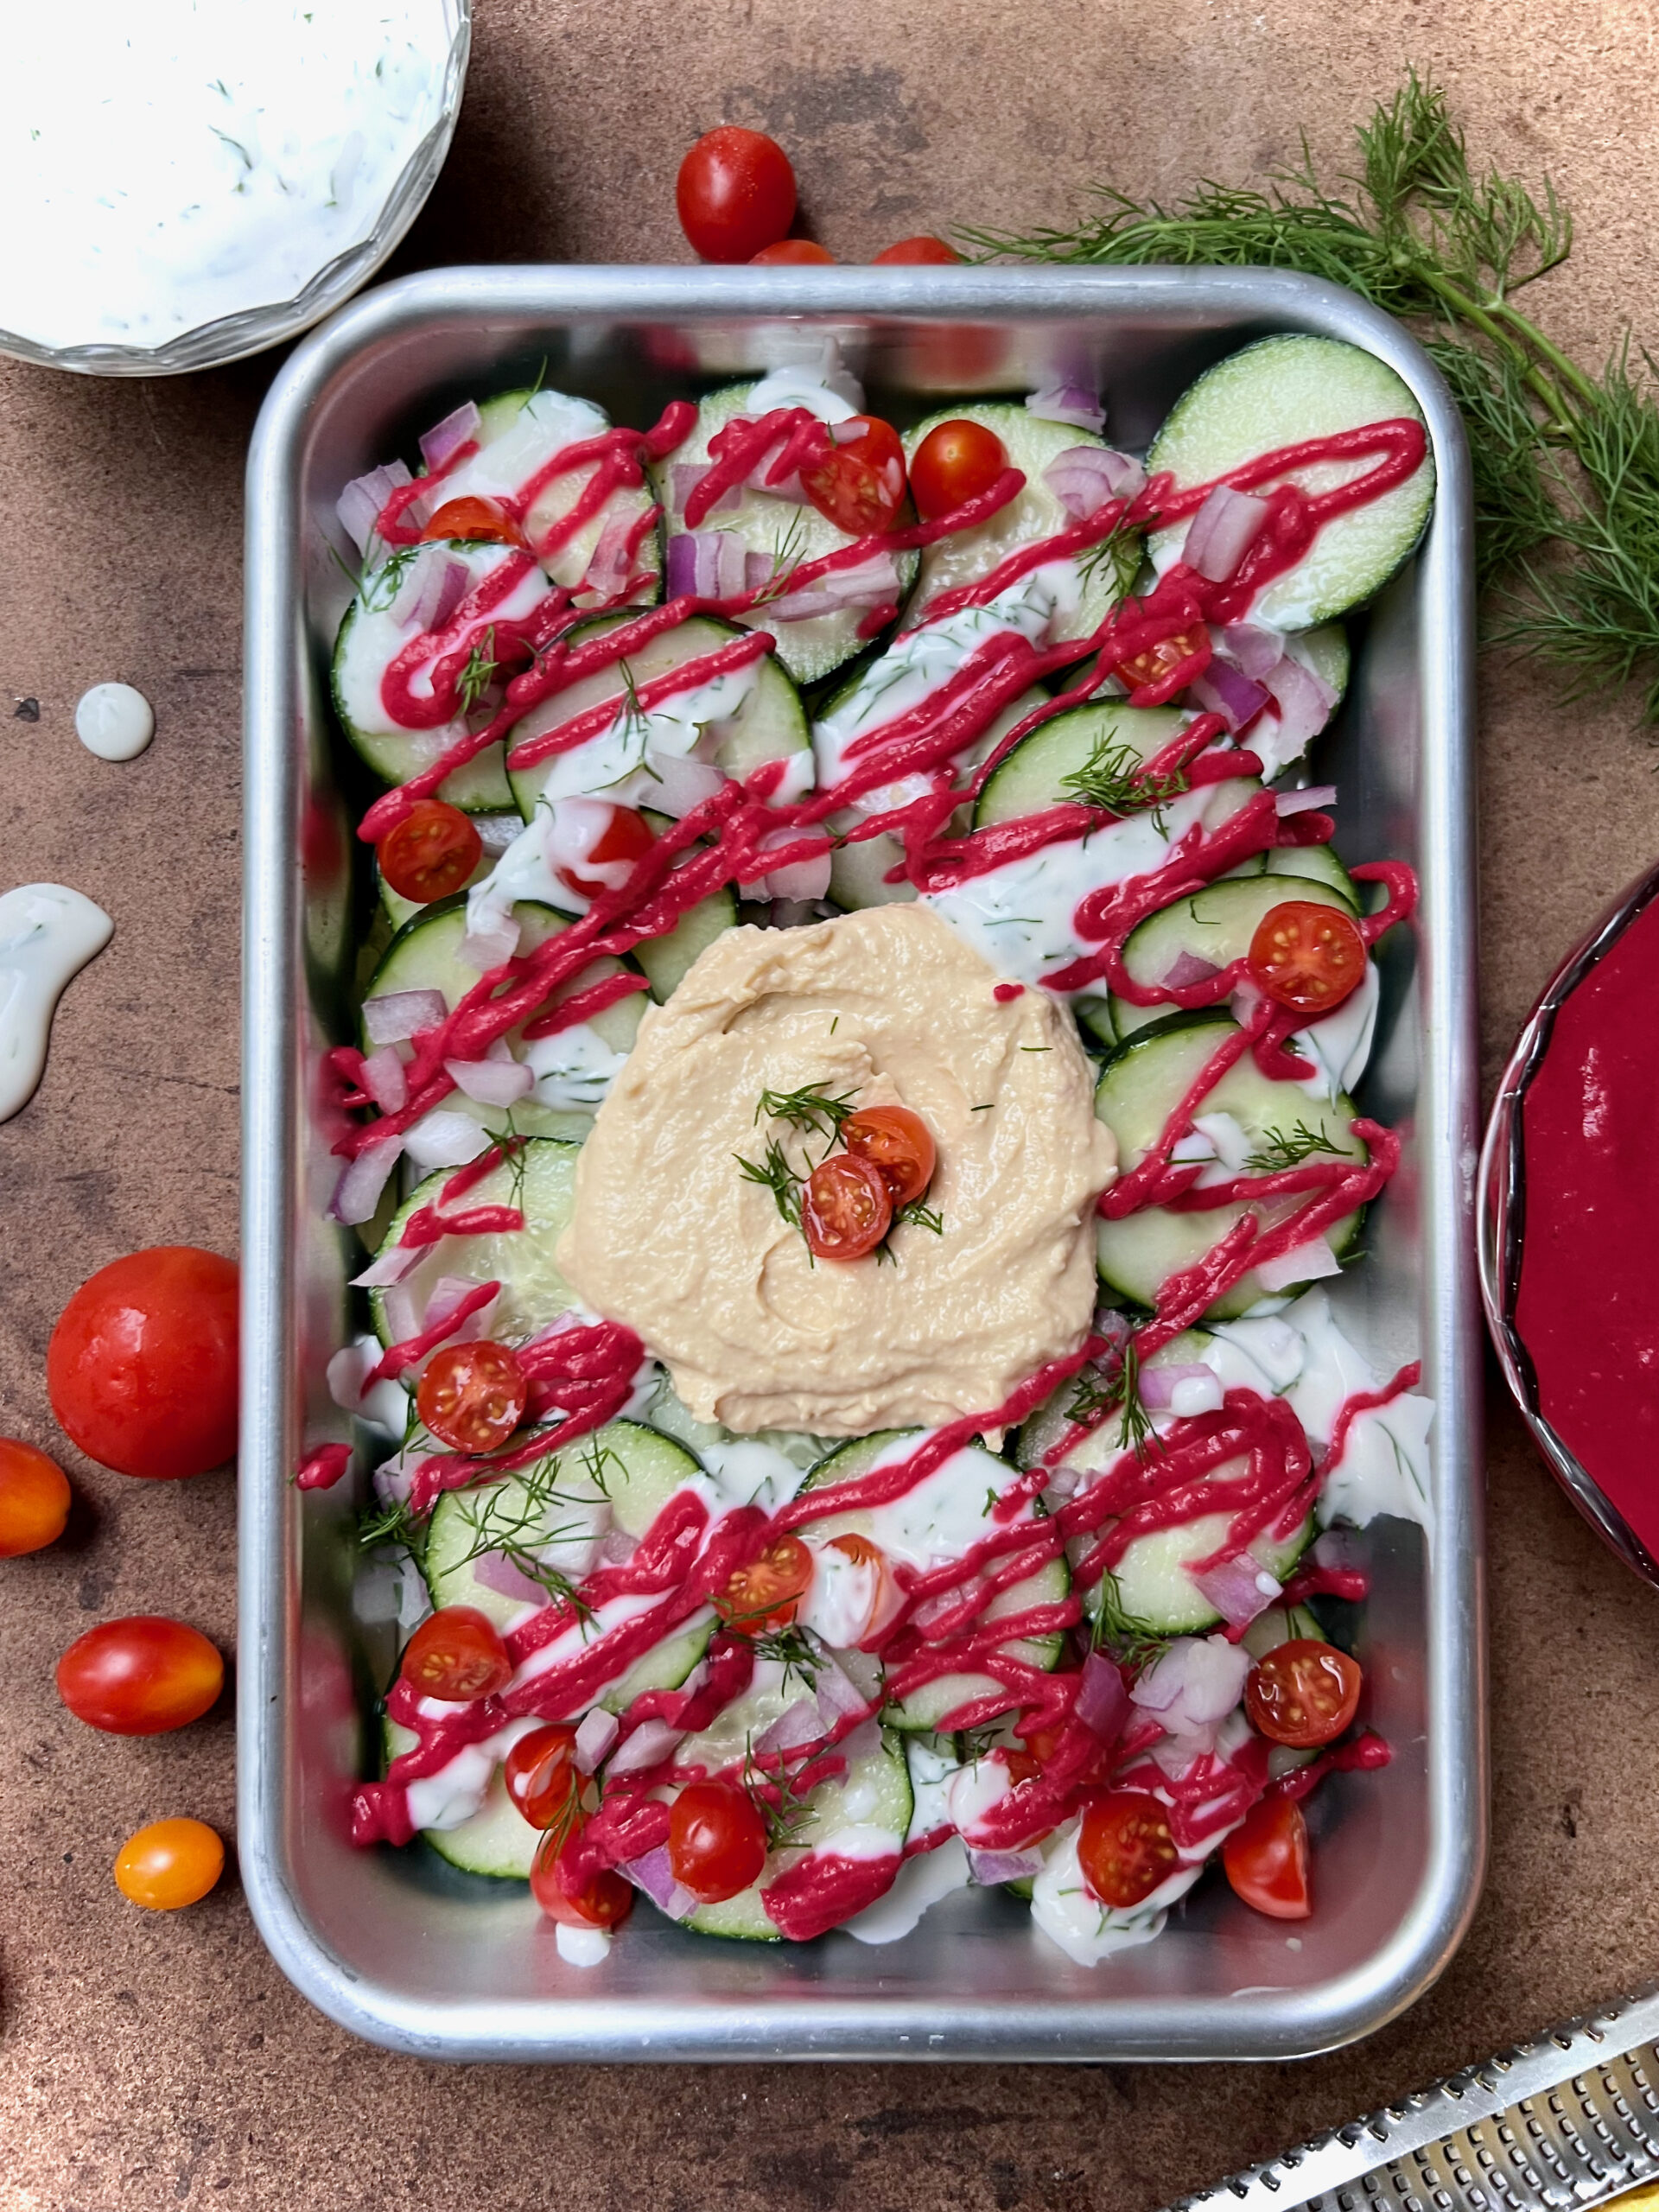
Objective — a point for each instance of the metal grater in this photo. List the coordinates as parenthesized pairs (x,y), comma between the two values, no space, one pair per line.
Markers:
(1567,2121)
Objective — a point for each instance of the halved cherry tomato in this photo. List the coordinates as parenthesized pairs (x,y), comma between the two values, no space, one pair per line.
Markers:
(169,1864)
(541,1775)
(626,837)
(954,462)
(1159,660)
(846,1208)
(788,251)
(860,485)
(1125,1848)
(472,519)
(1303,1693)
(717,1840)
(898,1144)
(1266,1860)
(917,250)
(885,1595)
(472,1396)
(140,1676)
(33,1498)
(604,1900)
(455,1656)
(763,1594)
(142,1368)
(431,853)
(735,194)
(1307,957)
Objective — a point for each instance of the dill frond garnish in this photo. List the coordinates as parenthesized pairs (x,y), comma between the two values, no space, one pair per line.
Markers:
(480,673)
(788,551)
(389,1524)
(773,1170)
(1280,1148)
(513,1521)
(788,1649)
(1130,1641)
(811,1109)
(783,1808)
(1096,1396)
(1114,776)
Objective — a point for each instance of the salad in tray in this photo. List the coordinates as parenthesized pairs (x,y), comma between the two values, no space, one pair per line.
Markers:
(851,1128)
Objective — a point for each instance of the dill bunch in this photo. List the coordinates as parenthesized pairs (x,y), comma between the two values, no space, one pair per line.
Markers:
(1566,462)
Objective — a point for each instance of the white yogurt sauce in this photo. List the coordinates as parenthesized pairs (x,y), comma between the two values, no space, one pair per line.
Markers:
(165,165)
(115,722)
(383,625)
(919,1883)
(48,934)
(690,724)
(581,1947)
(1069,1914)
(943,1515)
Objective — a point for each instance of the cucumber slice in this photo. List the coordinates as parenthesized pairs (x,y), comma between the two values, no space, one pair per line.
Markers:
(786,533)
(1033,776)
(1282,391)
(497,1839)
(518,433)
(1216,924)
(665,959)
(1141,1086)
(1155,1595)
(1279,1624)
(1315,864)
(533,1292)
(875,1793)
(754,716)
(1030,445)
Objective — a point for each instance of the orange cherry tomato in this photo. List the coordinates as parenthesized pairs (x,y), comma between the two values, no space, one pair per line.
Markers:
(859,486)
(455,1656)
(1307,957)
(717,1840)
(910,251)
(788,251)
(735,194)
(431,853)
(1303,1693)
(763,1594)
(1124,1846)
(541,1775)
(626,837)
(170,1863)
(1159,660)
(1266,1860)
(605,1901)
(898,1144)
(846,1207)
(33,1498)
(140,1676)
(954,462)
(472,1396)
(142,1368)
(474,520)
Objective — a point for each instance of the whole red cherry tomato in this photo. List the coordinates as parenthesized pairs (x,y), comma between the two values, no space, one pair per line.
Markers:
(472,1396)
(1307,957)
(1266,1860)
(431,853)
(956,462)
(170,1863)
(626,837)
(717,1840)
(735,194)
(1303,1693)
(1124,1846)
(541,1775)
(911,251)
(1159,660)
(898,1144)
(604,1900)
(140,1676)
(142,1369)
(475,520)
(763,1594)
(860,485)
(455,1656)
(846,1208)
(33,1498)
(788,251)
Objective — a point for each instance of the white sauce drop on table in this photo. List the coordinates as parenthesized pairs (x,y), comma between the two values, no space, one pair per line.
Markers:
(115,722)
(48,934)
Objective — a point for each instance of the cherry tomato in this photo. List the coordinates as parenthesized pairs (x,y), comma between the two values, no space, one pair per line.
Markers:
(626,837)
(735,194)
(763,1594)
(860,486)
(1307,957)
(431,853)
(472,1396)
(924,249)
(142,1369)
(541,1775)
(955,462)
(1303,1693)
(898,1144)
(140,1676)
(1159,660)
(475,519)
(170,1863)
(846,1208)
(33,1498)
(1266,1860)
(717,1840)
(1125,1848)
(604,1900)
(456,1655)
(788,251)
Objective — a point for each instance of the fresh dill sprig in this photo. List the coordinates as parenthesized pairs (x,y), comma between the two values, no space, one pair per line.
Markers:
(513,1522)
(1280,1148)
(1096,1396)
(480,673)
(1113,559)
(921,1216)
(788,1649)
(811,1109)
(788,551)
(389,1524)
(1128,1640)
(1114,776)
(772,1169)
(784,1814)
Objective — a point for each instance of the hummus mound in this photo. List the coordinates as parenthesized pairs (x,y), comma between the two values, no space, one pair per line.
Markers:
(890,1005)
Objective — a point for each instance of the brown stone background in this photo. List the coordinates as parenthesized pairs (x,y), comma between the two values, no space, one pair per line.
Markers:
(157,2061)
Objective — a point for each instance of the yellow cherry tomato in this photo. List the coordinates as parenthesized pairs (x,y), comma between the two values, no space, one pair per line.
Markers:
(170,1863)
(33,1498)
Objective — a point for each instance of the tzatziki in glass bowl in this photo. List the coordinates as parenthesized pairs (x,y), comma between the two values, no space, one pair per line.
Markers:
(197,180)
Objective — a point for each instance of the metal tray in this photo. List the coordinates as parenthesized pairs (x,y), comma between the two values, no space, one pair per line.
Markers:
(396,1947)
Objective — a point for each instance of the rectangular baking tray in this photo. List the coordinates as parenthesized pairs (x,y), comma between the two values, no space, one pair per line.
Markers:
(400,1948)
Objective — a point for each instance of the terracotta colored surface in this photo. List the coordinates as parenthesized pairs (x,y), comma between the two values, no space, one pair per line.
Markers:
(149,2062)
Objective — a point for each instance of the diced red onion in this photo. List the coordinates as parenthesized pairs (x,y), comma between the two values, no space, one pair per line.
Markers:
(1176,1752)
(490,945)
(609,571)
(1157,1382)
(448,589)
(1306,1264)
(402,1317)
(498,1573)
(650,1743)
(1304,702)
(1102,1702)
(681,783)
(990,1868)
(391,1267)
(1084,478)
(441,1139)
(447,437)
(802,879)
(1239,1589)
(800,1723)
(358,1192)
(680,565)
(1222,531)
(398,1015)
(598,1732)
(449,1293)
(1221,691)
(872,583)
(1302,801)
(618,1548)
(757,568)
(1067,403)
(1193,1682)
(418,579)
(358,506)
(836,1692)
(684,478)
(730,563)
(1340,1549)
(491,1083)
(384,1080)
(1253,649)
(653,1875)
(1188,968)
(346,1373)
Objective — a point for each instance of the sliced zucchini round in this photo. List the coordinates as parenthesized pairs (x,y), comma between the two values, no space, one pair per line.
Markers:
(1216,924)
